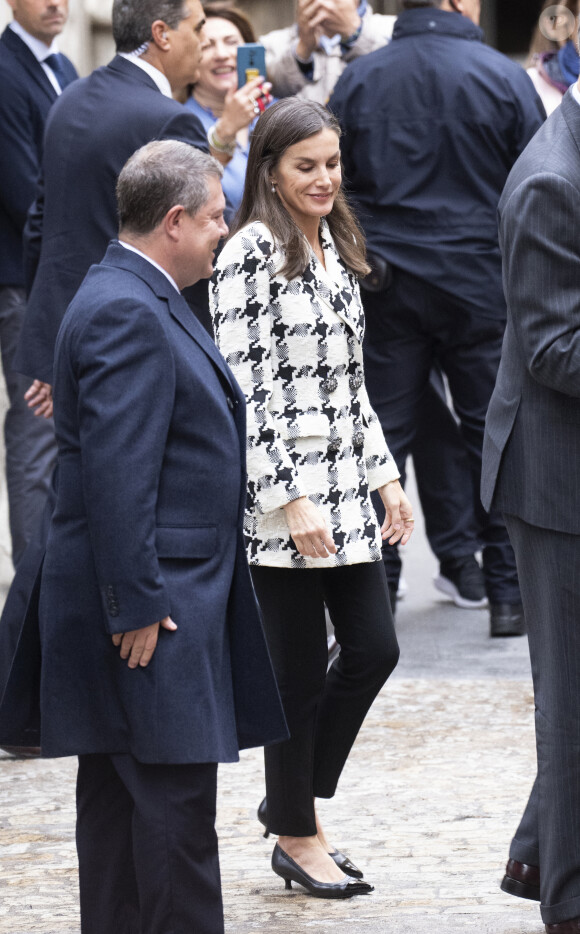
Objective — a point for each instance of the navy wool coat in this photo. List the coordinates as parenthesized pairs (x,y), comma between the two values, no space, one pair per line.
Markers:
(148,523)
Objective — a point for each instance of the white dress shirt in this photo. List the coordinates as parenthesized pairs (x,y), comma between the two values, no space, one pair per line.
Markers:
(158,77)
(152,261)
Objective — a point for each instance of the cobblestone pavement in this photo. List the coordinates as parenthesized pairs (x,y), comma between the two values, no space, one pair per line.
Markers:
(427,804)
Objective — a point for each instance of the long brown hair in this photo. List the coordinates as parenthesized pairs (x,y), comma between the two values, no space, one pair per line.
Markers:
(284,124)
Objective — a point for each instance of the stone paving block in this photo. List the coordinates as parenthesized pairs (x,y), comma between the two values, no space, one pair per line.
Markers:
(427,805)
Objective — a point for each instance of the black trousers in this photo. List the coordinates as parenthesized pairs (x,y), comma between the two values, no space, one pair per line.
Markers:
(549,568)
(443,476)
(409,327)
(324,711)
(147,847)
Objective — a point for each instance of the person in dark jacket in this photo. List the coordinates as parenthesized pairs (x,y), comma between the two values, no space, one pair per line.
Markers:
(432,126)
(93,129)
(33,74)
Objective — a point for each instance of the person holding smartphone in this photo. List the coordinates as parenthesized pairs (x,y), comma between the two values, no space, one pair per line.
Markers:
(228,112)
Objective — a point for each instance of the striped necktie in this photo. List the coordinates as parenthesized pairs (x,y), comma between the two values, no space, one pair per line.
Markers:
(55,63)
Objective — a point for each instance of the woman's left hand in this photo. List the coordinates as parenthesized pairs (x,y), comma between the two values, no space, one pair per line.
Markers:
(398,525)
(241,107)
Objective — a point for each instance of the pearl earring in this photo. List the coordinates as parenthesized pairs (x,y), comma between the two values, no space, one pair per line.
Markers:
(273,189)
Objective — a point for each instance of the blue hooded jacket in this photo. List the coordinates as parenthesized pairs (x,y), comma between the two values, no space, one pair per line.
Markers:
(432,125)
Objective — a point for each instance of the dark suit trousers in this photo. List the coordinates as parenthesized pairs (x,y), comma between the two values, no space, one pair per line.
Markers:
(29,440)
(324,711)
(410,327)
(548,837)
(147,847)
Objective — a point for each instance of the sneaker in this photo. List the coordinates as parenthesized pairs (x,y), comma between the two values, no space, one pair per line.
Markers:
(402,589)
(462,580)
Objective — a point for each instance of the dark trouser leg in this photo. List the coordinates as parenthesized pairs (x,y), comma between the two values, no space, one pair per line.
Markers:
(443,477)
(549,569)
(292,606)
(162,824)
(324,714)
(398,354)
(469,351)
(360,610)
(29,440)
(108,888)
(525,846)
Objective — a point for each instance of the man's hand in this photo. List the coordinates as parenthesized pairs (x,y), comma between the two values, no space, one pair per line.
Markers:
(308,21)
(399,523)
(314,17)
(308,529)
(39,397)
(341,17)
(239,108)
(139,644)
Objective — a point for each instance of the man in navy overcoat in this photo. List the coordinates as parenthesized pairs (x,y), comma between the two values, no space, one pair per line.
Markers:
(154,666)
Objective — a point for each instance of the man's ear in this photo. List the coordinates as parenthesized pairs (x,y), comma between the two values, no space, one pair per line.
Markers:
(173,221)
(160,35)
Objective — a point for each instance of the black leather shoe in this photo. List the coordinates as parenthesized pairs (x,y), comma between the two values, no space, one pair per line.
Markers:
(506,619)
(284,866)
(22,752)
(521,880)
(342,861)
(263,816)
(564,927)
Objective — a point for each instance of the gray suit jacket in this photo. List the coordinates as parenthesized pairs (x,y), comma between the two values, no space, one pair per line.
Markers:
(531,452)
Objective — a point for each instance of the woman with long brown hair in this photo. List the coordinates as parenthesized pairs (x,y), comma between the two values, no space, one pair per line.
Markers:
(288,319)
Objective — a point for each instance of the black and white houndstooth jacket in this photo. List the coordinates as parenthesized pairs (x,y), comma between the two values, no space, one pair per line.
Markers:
(295,348)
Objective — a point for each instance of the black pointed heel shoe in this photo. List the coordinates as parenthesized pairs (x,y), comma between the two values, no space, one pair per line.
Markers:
(341,860)
(284,866)
(263,817)
(344,863)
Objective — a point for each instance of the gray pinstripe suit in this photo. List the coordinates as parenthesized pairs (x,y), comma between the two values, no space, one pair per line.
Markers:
(531,471)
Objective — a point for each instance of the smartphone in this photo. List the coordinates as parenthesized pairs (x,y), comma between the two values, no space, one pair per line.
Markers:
(251,62)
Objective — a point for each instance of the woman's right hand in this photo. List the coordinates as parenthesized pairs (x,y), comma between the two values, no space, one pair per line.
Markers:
(239,108)
(308,529)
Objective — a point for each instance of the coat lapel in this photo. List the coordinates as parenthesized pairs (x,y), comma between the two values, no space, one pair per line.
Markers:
(117,255)
(334,286)
(181,311)
(571,113)
(25,57)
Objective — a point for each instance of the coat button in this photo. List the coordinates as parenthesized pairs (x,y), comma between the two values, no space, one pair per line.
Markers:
(231,404)
(334,446)
(330,384)
(358,439)
(355,382)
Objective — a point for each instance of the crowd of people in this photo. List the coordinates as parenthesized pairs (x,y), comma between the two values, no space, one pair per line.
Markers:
(230,313)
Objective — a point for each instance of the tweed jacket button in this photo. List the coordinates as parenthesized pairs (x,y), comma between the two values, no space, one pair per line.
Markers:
(355,382)
(330,384)
(334,446)
(358,439)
